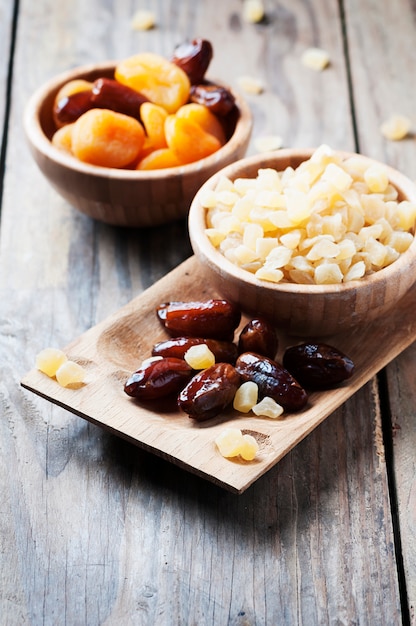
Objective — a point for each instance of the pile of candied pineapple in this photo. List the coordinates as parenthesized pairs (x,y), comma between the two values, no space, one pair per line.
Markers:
(330,220)
(154,113)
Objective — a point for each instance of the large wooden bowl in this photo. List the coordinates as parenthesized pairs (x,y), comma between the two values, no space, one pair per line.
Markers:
(123,197)
(304,310)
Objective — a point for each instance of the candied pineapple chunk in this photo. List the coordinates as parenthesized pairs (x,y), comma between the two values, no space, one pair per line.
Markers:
(315,59)
(246,396)
(253,11)
(70,374)
(330,220)
(199,357)
(396,127)
(232,443)
(268,407)
(376,178)
(50,360)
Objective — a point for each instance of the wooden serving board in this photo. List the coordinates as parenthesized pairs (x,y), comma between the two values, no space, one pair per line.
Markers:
(114,348)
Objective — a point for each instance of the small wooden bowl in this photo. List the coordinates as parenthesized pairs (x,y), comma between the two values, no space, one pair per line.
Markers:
(115,196)
(303,310)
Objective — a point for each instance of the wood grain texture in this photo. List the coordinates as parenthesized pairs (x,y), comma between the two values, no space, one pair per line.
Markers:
(377,50)
(95,531)
(111,351)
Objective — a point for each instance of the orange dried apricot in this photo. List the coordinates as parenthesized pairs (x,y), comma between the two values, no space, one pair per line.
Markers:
(161,81)
(153,117)
(159,159)
(189,140)
(106,138)
(62,138)
(202,116)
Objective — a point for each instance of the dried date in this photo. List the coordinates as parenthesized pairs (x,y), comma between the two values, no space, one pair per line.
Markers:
(258,336)
(108,93)
(318,365)
(69,108)
(209,392)
(219,100)
(212,319)
(158,378)
(273,380)
(224,351)
(193,57)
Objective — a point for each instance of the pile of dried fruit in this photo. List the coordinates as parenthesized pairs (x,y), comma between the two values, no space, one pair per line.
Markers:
(154,113)
(330,220)
(209,372)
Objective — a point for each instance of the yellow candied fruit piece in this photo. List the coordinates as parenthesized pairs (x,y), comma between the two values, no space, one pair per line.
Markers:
(268,407)
(160,80)
(328,274)
(246,396)
(396,127)
(251,85)
(315,59)
(50,360)
(269,274)
(253,11)
(249,447)
(143,20)
(106,138)
(268,143)
(229,442)
(376,178)
(406,212)
(232,443)
(199,357)
(70,373)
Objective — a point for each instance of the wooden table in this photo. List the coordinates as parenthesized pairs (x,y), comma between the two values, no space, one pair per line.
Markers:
(97,531)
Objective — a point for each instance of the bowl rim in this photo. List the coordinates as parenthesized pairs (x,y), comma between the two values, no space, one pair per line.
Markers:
(39,140)
(202,246)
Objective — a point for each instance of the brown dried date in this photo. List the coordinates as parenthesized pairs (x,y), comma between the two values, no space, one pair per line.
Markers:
(224,351)
(159,378)
(108,93)
(212,319)
(193,57)
(69,108)
(216,98)
(273,380)
(258,336)
(318,365)
(209,392)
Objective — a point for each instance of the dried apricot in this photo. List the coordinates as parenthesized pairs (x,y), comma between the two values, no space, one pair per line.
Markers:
(202,116)
(159,159)
(189,140)
(161,81)
(62,138)
(153,117)
(106,138)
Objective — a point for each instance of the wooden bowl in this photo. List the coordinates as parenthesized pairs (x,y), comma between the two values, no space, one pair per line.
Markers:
(116,196)
(303,310)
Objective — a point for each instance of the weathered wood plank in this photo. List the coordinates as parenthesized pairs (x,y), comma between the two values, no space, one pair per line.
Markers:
(95,531)
(6,22)
(381,48)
